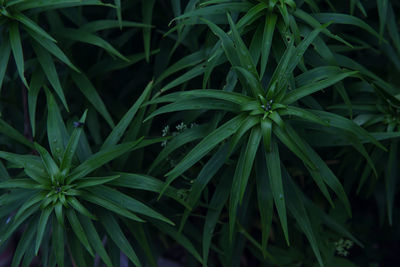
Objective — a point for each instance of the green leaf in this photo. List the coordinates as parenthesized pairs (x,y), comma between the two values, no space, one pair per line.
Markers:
(147,183)
(308,89)
(78,230)
(56,132)
(18,183)
(217,202)
(37,81)
(303,114)
(5,51)
(179,238)
(95,240)
(310,20)
(147,13)
(325,173)
(205,146)
(105,24)
(128,202)
(29,203)
(51,166)
(99,159)
(176,142)
(266,129)
(32,165)
(270,22)
(9,131)
(248,124)
(187,76)
(53,49)
(16,47)
(203,93)
(71,147)
(90,92)
(80,208)
(391,179)
(42,227)
(30,24)
(227,43)
(111,225)
(382,11)
(142,237)
(214,10)
(58,242)
(207,172)
(347,125)
(58,210)
(275,179)
(49,69)
(195,104)
(264,197)
(86,37)
(10,229)
(345,19)
(48,4)
(115,136)
(242,174)
(112,206)
(244,55)
(183,63)
(24,243)
(252,81)
(296,207)
(94,181)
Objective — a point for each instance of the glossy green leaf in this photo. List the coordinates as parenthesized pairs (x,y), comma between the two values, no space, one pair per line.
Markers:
(297,209)
(78,230)
(9,131)
(197,103)
(50,165)
(217,202)
(89,38)
(269,28)
(242,174)
(275,179)
(205,146)
(72,146)
(345,19)
(391,179)
(58,242)
(5,51)
(99,159)
(147,13)
(306,90)
(110,205)
(264,197)
(204,93)
(42,227)
(49,69)
(114,231)
(24,243)
(128,202)
(118,131)
(91,94)
(80,208)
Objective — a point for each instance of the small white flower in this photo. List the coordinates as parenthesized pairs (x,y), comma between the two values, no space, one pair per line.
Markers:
(181,127)
(165,131)
(164,143)
(342,247)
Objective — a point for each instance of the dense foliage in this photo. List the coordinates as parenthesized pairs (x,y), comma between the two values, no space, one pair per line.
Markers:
(205,132)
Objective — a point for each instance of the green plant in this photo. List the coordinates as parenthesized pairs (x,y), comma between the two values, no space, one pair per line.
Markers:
(264,130)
